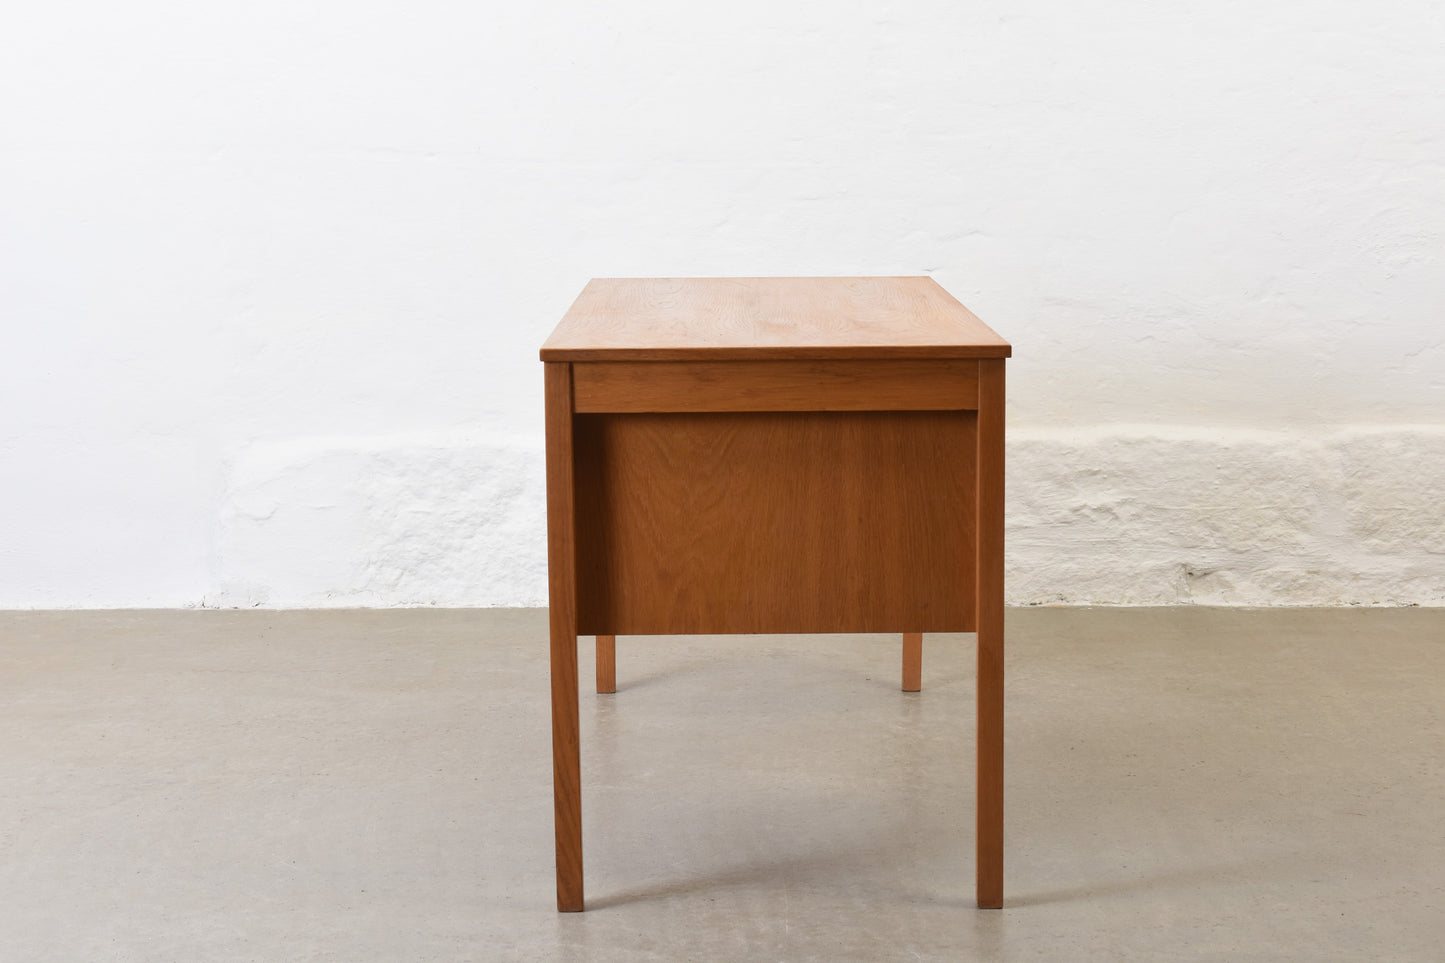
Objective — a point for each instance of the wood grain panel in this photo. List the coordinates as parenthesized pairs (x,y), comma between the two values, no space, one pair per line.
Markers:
(647,386)
(775,522)
(715,319)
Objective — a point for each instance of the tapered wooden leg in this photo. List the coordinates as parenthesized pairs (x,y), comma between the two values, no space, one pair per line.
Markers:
(990,568)
(606,663)
(562,591)
(566,773)
(912,661)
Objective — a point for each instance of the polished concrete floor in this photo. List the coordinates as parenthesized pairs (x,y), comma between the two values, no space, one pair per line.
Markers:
(375,785)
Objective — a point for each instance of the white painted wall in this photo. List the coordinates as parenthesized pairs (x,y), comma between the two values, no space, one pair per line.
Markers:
(273,275)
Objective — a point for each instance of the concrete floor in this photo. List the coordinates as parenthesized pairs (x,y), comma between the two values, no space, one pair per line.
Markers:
(375,785)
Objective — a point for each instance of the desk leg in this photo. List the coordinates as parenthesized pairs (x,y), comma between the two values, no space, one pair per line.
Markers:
(912,661)
(989,882)
(562,591)
(606,663)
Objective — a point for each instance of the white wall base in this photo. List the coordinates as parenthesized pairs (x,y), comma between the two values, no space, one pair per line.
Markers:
(379,522)
(1146,515)
(1129,515)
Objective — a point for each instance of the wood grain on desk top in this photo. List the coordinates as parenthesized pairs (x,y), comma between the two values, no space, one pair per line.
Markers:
(694,319)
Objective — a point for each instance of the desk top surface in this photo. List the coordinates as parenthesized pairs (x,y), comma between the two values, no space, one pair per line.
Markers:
(695,319)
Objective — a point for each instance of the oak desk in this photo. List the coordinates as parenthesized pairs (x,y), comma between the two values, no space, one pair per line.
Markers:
(774,455)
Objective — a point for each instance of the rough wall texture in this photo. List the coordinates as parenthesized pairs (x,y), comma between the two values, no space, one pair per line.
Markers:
(1160,516)
(402,521)
(1125,515)
(273,275)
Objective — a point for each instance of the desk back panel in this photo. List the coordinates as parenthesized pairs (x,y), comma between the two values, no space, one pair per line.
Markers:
(820,521)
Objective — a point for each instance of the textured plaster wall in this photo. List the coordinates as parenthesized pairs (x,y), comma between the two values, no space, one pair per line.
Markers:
(1151,515)
(272,277)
